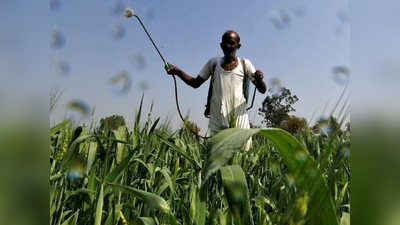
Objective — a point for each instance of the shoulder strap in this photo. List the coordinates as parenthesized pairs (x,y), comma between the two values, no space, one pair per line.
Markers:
(245,81)
(213,68)
(207,111)
(244,68)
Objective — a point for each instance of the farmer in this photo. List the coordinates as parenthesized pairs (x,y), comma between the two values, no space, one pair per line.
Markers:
(228,104)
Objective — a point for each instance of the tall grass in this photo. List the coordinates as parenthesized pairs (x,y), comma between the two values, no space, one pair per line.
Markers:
(149,175)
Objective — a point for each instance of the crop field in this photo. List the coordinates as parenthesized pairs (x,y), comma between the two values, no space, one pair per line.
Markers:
(152,175)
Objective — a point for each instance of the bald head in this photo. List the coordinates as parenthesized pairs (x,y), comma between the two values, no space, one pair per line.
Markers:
(231,33)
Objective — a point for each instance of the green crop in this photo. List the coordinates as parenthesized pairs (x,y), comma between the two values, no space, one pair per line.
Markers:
(149,175)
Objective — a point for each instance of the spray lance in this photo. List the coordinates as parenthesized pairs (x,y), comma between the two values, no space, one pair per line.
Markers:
(129,13)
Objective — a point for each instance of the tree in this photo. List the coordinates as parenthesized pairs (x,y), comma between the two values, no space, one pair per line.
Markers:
(293,124)
(276,108)
(112,122)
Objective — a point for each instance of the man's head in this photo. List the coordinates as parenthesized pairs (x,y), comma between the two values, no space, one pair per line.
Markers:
(230,43)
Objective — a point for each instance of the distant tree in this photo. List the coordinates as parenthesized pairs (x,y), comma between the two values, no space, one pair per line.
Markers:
(293,124)
(276,108)
(112,122)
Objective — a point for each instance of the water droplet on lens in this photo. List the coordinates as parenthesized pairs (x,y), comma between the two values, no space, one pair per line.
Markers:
(119,30)
(62,67)
(77,110)
(301,155)
(343,15)
(138,61)
(276,87)
(276,82)
(346,152)
(150,14)
(324,127)
(144,85)
(54,4)
(299,11)
(117,7)
(57,40)
(290,179)
(339,29)
(280,19)
(76,170)
(121,83)
(341,74)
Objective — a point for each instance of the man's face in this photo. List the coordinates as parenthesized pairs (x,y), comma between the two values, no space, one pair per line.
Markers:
(230,44)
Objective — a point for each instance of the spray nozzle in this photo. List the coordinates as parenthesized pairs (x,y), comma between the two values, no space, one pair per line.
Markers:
(129,12)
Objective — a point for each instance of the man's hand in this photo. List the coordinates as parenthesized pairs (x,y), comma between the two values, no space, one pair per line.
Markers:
(189,80)
(173,70)
(258,75)
(258,82)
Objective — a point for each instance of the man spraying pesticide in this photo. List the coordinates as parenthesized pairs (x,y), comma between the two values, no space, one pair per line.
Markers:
(227,107)
(228,93)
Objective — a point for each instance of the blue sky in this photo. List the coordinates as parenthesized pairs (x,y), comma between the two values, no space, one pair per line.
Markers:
(302,55)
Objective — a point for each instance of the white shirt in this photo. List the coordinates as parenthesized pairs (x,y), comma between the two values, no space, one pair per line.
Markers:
(228,104)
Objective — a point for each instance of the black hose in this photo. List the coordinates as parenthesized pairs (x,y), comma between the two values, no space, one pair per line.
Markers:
(254,96)
(179,110)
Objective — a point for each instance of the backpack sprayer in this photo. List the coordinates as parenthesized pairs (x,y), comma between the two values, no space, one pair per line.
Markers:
(130,13)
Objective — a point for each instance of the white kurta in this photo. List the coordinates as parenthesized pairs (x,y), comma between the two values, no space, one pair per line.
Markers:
(228,104)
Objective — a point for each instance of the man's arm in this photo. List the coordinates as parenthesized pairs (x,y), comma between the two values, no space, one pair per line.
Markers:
(258,82)
(189,80)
